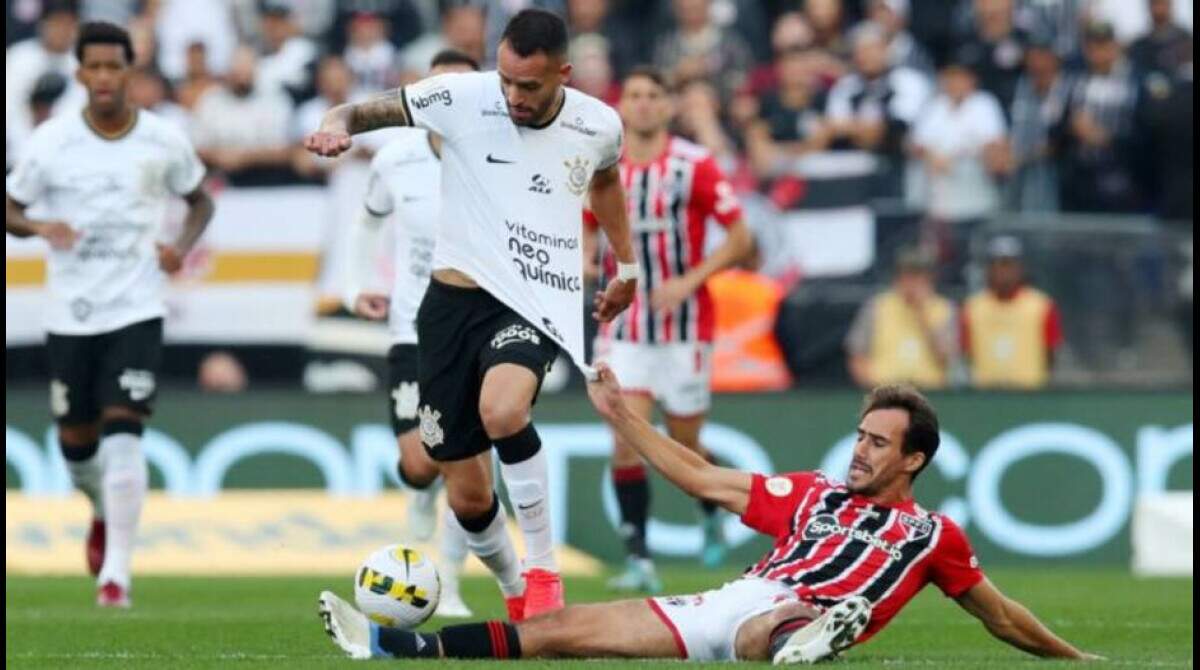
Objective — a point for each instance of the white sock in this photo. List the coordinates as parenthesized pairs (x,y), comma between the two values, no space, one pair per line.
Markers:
(494,547)
(452,548)
(124,486)
(87,476)
(527,484)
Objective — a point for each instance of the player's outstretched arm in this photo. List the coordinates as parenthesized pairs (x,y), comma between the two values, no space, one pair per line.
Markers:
(1013,623)
(608,205)
(342,121)
(683,467)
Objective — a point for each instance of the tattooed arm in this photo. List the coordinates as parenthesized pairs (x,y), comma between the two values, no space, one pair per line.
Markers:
(333,137)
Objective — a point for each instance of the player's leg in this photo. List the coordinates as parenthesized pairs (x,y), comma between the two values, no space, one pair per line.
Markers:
(415,469)
(513,364)
(73,370)
(633,500)
(452,553)
(686,400)
(131,358)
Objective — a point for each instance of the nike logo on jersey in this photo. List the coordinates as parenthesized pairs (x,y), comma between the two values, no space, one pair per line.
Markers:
(493,159)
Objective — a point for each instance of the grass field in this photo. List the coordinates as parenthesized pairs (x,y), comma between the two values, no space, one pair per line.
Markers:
(271,623)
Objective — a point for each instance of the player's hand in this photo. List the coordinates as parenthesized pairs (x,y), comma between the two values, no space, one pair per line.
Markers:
(170,260)
(372,306)
(670,294)
(614,299)
(331,139)
(605,392)
(58,234)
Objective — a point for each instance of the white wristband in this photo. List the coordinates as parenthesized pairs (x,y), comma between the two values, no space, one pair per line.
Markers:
(627,271)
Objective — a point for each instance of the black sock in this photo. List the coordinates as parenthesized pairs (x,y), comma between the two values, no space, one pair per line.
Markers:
(490,639)
(407,644)
(116,426)
(633,497)
(480,523)
(78,453)
(520,446)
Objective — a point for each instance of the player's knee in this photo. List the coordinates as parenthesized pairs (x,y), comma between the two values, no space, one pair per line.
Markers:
(501,416)
(78,441)
(471,504)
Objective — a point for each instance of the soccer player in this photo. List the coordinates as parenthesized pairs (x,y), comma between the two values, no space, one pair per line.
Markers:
(405,183)
(847,557)
(520,151)
(102,178)
(662,345)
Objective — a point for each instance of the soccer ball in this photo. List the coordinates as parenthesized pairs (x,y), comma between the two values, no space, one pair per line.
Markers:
(397,587)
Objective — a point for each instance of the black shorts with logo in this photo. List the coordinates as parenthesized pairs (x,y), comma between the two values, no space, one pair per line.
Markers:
(463,333)
(114,369)
(403,397)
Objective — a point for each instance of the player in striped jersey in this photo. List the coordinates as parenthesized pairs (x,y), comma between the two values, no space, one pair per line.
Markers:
(662,345)
(847,557)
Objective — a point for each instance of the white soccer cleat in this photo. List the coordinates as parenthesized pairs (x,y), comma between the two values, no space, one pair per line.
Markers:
(422,515)
(347,626)
(836,629)
(452,606)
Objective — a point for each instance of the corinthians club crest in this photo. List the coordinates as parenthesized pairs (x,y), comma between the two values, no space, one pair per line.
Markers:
(577,175)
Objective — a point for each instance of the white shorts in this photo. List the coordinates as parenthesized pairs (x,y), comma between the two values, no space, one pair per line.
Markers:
(678,375)
(705,625)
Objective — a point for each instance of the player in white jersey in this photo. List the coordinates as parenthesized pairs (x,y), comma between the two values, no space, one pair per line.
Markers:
(405,184)
(101,179)
(521,151)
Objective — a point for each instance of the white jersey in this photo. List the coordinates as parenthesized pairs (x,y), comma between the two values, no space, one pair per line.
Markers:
(512,215)
(405,181)
(114,193)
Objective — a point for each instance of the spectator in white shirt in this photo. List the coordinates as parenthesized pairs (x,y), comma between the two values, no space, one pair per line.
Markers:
(289,58)
(28,60)
(369,53)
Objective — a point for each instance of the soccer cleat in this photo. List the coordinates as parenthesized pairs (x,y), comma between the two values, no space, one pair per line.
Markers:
(516,608)
(712,555)
(112,594)
(638,576)
(95,546)
(452,606)
(836,629)
(349,628)
(422,514)
(543,592)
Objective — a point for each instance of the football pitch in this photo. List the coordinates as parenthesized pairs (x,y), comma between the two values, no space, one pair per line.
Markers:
(271,622)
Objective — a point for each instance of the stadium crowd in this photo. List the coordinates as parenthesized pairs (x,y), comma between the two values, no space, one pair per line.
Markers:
(959,109)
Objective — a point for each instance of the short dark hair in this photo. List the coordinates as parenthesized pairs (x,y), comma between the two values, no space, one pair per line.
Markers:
(646,72)
(103,32)
(922,432)
(453,57)
(534,30)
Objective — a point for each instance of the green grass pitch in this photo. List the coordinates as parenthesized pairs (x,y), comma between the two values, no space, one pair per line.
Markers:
(192,622)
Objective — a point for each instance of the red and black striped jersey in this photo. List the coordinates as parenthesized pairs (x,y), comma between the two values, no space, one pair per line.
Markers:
(831,544)
(670,201)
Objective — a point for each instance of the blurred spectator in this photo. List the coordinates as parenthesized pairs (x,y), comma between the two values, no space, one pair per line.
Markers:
(872,108)
(593,72)
(903,49)
(1097,137)
(289,57)
(145,40)
(46,92)
(586,17)
(1010,331)
(400,22)
(791,32)
(20,20)
(462,29)
(1166,46)
(790,124)
(241,129)
(26,61)
(699,49)
(1166,114)
(1056,24)
(148,89)
(828,24)
(960,141)
(905,334)
(1038,105)
(181,23)
(996,49)
(371,56)
(198,79)
(699,119)
(335,86)
(221,372)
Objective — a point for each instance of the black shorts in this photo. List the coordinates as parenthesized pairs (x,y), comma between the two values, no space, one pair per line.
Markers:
(402,387)
(114,369)
(463,333)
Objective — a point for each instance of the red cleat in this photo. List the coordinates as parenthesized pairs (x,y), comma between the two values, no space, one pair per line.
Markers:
(516,608)
(95,546)
(543,592)
(112,594)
